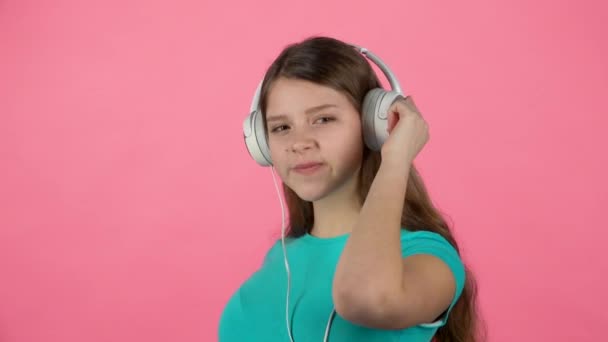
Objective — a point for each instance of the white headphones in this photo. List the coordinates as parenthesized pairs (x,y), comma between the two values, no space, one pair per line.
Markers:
(374,121)
(374,115)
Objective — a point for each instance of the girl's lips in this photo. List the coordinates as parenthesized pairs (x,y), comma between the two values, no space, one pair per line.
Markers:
(307,168)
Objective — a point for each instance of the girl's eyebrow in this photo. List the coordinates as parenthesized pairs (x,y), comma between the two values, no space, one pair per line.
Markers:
(309,111)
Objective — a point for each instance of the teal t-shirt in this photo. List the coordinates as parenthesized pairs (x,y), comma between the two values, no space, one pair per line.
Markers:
(256,311)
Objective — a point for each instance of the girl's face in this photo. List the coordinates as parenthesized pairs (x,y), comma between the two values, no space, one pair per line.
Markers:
(310,123)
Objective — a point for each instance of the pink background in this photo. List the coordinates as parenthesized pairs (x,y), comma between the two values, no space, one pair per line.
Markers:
(130,209)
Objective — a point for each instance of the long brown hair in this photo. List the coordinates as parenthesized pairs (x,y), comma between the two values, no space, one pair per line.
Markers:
(331,62)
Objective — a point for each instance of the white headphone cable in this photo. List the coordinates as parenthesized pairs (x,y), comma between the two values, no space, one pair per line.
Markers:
(283,227)
(284,253)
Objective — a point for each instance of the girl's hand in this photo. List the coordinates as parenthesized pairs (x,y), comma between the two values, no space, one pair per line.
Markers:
(408,133)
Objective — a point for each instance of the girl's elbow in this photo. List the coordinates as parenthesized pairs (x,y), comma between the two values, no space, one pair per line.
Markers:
(364,306)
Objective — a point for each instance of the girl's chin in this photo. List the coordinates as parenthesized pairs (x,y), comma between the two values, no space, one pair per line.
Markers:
(310,194)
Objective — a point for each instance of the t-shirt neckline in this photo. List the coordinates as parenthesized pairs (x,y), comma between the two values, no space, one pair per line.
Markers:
(323,240)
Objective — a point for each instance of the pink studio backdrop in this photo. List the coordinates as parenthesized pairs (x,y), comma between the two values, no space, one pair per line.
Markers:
(130,210)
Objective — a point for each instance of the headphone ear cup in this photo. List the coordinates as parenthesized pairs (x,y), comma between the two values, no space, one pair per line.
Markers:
(255,139)
(375,116)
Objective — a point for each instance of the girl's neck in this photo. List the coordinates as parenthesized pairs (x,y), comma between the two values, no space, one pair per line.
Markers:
(336,214)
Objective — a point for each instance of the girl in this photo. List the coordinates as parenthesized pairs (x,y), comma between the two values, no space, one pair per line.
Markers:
(370,258)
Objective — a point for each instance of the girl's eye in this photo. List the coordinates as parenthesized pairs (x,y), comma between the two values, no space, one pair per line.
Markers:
(278,128)
(281,128)
(326,119)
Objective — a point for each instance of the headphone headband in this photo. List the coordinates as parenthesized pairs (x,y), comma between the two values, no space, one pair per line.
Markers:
(392,80)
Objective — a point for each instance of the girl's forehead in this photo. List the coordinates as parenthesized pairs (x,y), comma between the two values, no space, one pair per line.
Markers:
(286,96)
(302,88)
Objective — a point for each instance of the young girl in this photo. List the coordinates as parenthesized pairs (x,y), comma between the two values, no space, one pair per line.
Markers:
(369,257)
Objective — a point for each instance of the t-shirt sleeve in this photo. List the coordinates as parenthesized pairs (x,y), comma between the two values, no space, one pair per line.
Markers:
(426,242)
(275,251)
